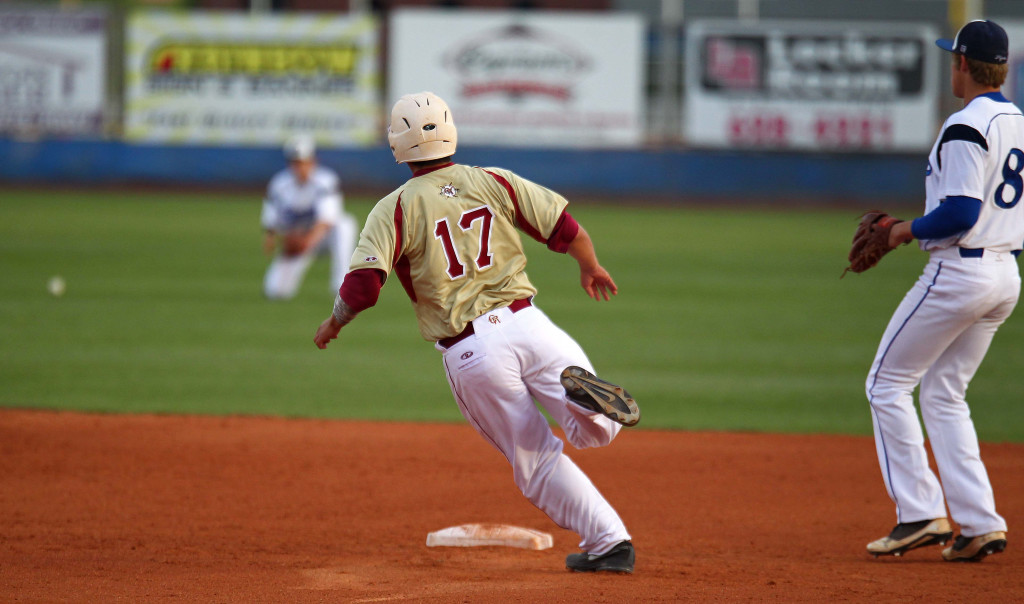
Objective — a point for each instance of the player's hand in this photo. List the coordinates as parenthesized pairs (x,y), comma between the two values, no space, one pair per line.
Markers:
(327,331)
(598,283)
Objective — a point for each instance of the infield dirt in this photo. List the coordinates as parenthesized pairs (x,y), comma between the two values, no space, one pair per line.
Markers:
(105,508)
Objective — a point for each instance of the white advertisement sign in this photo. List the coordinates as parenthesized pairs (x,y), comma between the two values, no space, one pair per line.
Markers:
(517,78)
(243,79)
(1014,87)
(52,71)
(836,86)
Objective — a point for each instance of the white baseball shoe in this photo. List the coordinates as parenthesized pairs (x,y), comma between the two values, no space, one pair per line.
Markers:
(974,549)
(911,535)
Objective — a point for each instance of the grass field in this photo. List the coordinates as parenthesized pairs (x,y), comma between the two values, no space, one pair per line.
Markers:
(727,319)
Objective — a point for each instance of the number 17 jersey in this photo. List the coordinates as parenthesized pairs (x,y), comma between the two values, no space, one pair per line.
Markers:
(980,154)
(452,235)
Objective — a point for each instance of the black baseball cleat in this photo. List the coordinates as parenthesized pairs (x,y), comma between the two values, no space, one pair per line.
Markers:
(973,549)
(910,535)
(618,559)
(591,392)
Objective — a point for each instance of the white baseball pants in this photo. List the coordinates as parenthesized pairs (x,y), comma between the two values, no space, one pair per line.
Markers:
(938,337)
(495,376)
(285,274)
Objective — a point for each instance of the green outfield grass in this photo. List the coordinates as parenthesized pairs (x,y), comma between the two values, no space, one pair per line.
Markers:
(727,319)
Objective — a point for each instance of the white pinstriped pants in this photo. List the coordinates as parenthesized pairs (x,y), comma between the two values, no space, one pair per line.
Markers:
(495,375)
(937,338)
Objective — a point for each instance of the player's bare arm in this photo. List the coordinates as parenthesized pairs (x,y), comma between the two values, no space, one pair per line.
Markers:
(269,242)
(329,329)
(901,233)
(593,277)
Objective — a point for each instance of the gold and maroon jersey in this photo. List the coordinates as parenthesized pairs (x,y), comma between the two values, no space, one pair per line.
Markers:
(451,234)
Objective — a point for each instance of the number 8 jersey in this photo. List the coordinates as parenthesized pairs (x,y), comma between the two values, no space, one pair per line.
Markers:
(451,234)
(980,154)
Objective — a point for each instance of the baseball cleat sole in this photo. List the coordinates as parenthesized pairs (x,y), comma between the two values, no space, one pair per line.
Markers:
(974,549)
(591,392)
(912,535)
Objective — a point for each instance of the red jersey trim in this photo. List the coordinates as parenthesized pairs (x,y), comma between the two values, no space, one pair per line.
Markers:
(521,222)
(400,264)
(398,231)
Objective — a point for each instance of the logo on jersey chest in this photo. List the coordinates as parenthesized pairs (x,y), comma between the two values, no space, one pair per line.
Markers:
(449,190)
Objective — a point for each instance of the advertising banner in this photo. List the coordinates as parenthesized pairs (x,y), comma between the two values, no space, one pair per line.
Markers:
(518,78)
(837,86)
(242,79)
(52,71)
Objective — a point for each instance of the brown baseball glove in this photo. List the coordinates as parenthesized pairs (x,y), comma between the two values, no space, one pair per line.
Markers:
(294,243)
(870,241)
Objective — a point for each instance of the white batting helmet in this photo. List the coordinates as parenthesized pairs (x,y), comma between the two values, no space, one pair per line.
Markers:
(300,147)
(421,128)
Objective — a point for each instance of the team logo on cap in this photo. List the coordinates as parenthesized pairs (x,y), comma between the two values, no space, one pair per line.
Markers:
(449,190)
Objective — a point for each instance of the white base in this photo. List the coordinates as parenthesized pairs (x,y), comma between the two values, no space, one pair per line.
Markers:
(470,535)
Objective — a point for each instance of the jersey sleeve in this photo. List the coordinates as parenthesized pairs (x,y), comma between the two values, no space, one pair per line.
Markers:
(328,202)
(564,234)
(538,209)
(955,215)
(381,240)
(269,218)
(961,156)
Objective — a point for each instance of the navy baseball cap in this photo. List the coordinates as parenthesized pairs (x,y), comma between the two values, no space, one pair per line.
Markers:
(980,40)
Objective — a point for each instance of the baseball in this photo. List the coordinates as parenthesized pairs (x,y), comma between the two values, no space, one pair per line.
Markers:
(56,286)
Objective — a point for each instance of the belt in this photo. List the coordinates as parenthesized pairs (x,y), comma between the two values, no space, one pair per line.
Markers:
(516,306)
(978,252)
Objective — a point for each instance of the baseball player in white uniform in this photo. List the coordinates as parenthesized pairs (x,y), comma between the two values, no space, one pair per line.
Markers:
(973,230)
(303,216)
(451,235)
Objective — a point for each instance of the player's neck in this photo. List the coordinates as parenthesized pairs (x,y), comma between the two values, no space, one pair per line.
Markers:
(973,90)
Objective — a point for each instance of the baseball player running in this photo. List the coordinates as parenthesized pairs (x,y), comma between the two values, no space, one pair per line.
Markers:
(973,229)
(451,236)
(303,215)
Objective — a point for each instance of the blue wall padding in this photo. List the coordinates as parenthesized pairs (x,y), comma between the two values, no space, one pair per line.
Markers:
(664,175)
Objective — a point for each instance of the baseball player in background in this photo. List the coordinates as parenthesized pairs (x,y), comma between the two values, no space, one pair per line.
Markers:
(303,216)
(451,236)
(973,229)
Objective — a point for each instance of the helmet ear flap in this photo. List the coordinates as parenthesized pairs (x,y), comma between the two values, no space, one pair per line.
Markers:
(421,128)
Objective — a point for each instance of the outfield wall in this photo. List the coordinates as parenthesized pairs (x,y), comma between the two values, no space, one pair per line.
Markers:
(663,176)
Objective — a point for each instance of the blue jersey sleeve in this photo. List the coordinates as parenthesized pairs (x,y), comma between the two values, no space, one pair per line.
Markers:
(955,215)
